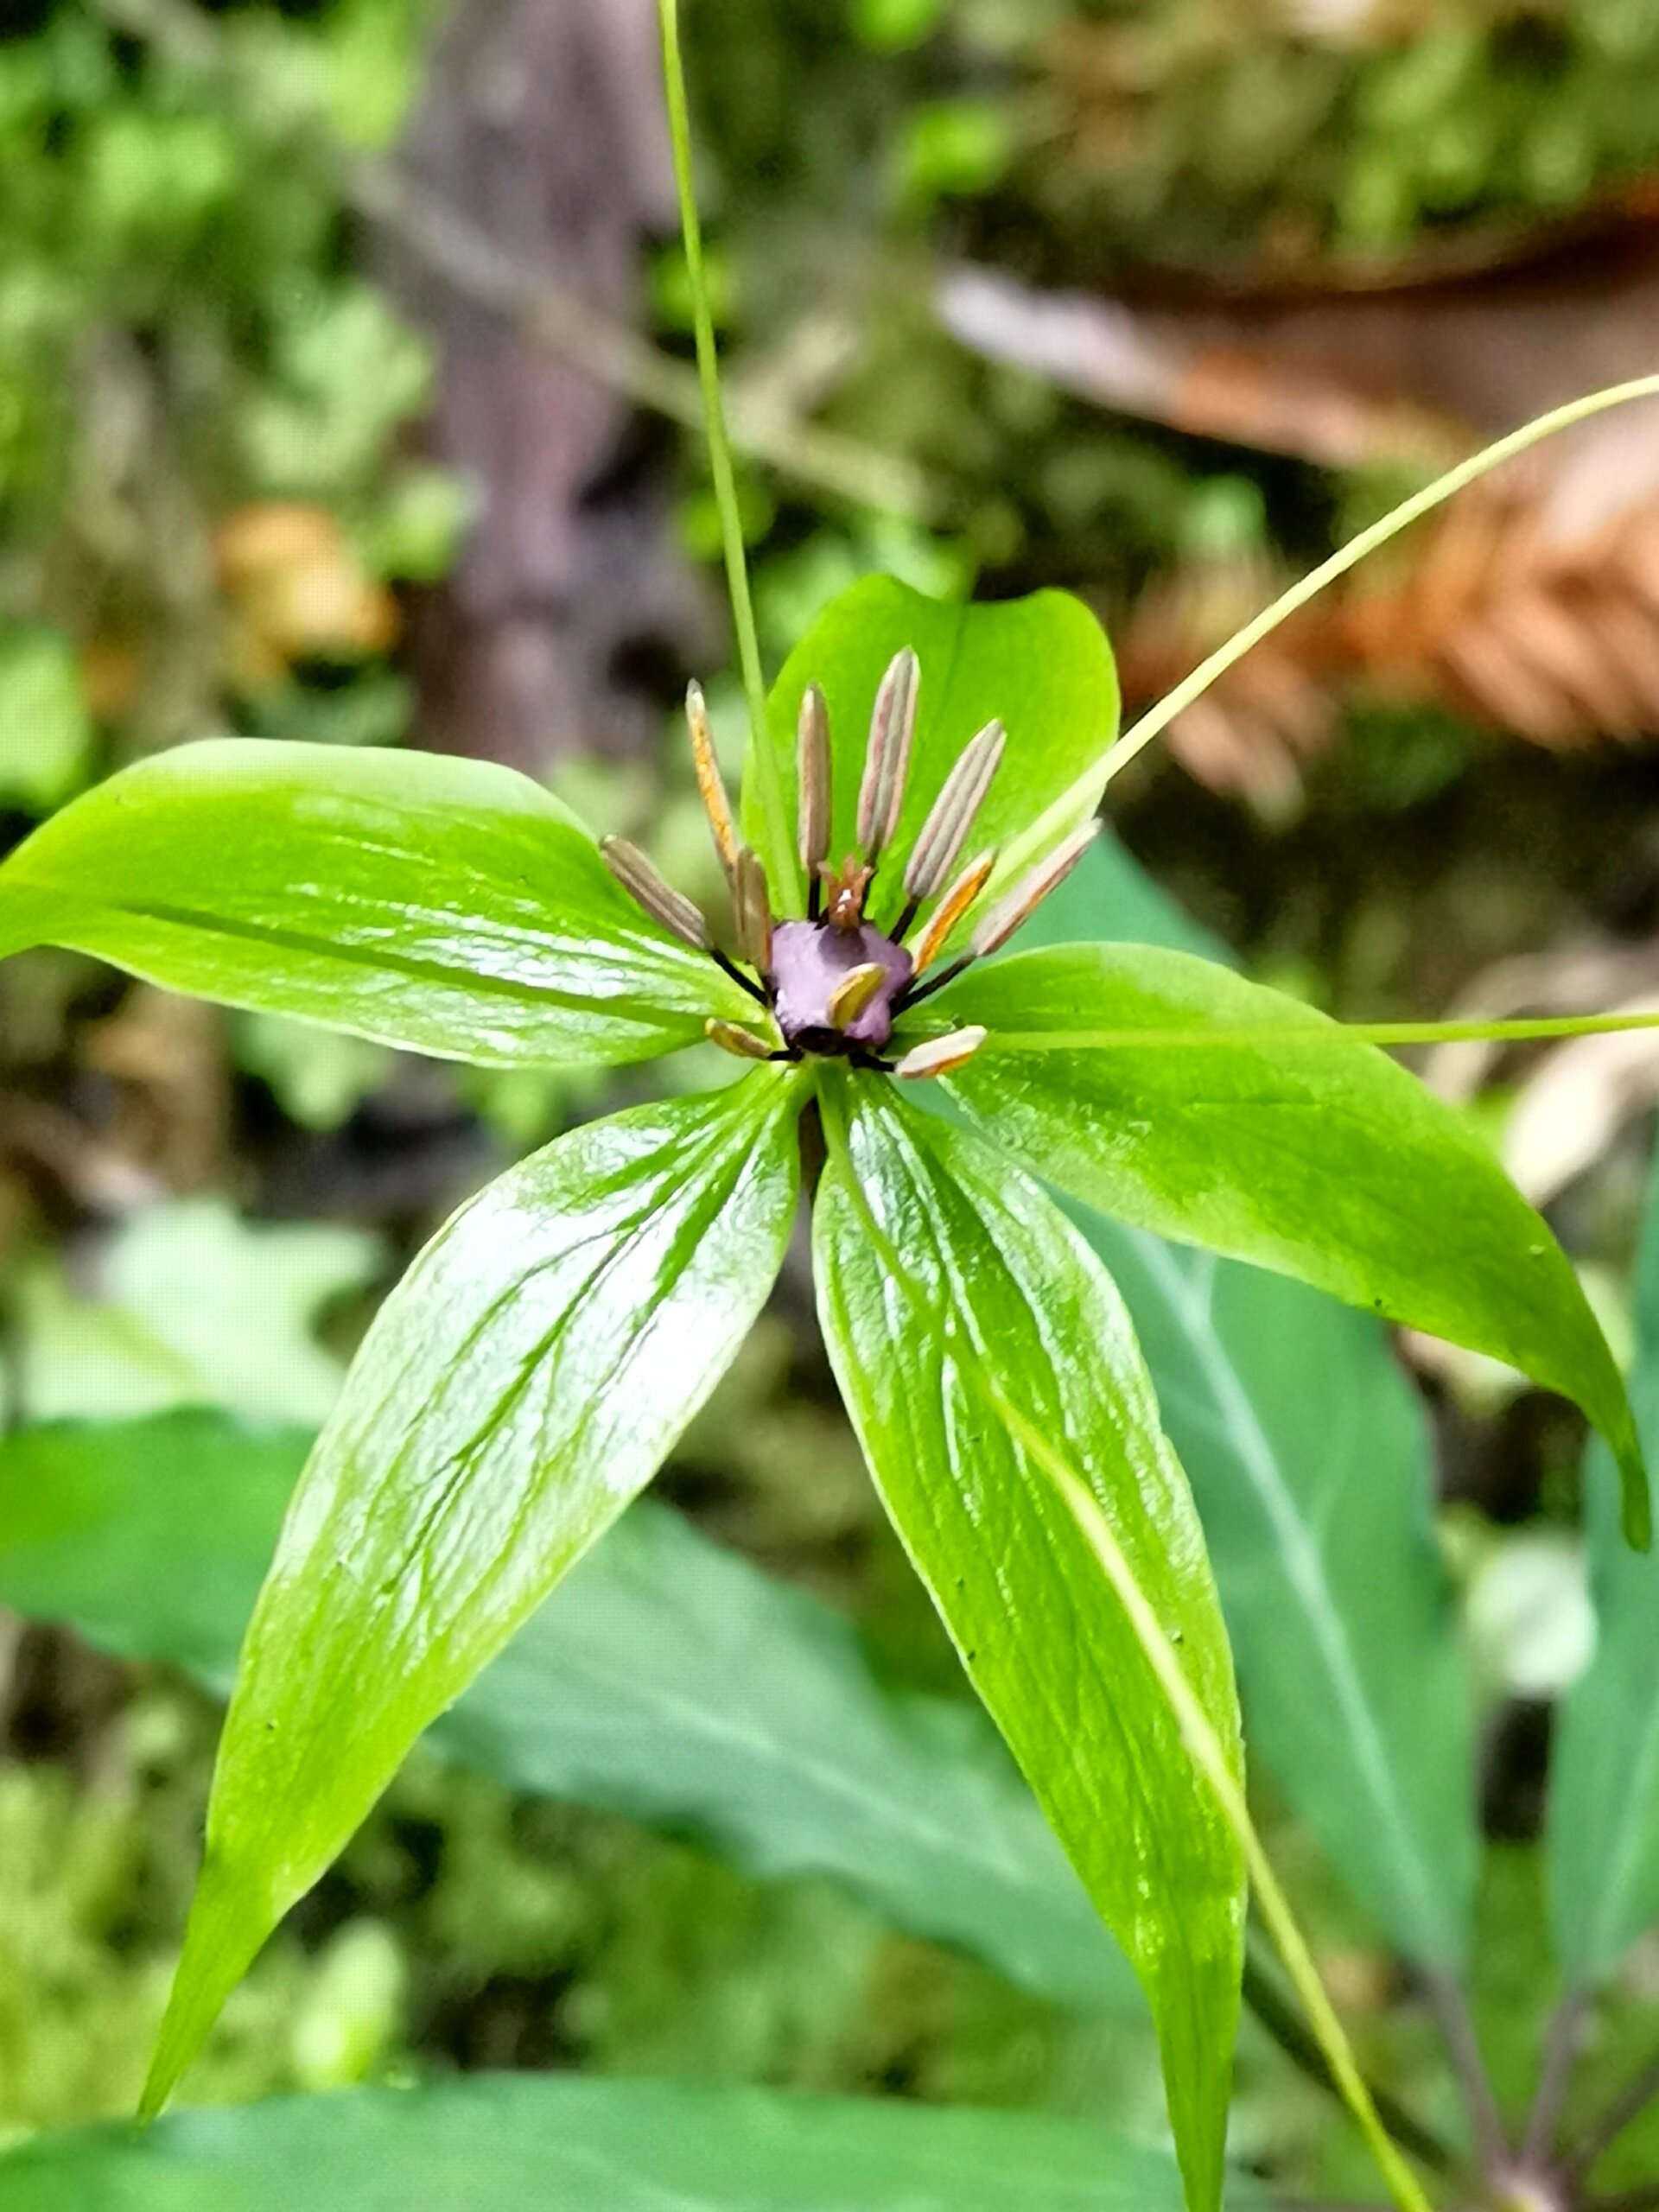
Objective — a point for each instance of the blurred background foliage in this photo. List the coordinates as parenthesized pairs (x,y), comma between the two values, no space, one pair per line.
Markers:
(262,469)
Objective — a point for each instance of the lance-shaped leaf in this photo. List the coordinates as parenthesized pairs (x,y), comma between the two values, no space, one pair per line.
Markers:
(1174,1095)
(1309,1458)
(1604,1798)
(941,1273)
(523,1382)
(1041,666)
(529,2143)
(447,905)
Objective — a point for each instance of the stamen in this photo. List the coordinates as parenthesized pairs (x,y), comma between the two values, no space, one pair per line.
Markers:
(853,993)
(710,786)
(940,1054)
(660,900)
(887,764)
(752,911)
(1000,924)
(731,1039)
(812,769)
(951,908)
(952,815)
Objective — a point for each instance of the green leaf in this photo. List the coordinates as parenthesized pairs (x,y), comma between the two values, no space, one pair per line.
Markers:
(1175,1096)
(1309,1460)
(523,1382)
(1041,666)
(942,1271)
(499,2142)
(1603,1836)
(447,905)
(666,1679)
(179,1292)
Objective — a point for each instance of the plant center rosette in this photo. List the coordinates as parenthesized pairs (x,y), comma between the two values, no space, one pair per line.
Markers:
(835,981)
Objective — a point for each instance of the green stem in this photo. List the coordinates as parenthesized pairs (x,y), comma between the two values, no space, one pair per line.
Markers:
(779,853)
(1085,792)
(1325,1032)
(1209,1756)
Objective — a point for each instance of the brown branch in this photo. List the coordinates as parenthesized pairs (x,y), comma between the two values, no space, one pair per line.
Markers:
(1451,2009)
(548,315)
(1561,2049)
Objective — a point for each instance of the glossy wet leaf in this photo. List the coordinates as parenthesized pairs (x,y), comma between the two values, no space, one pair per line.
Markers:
(1173,1095)
(942,1273)
(1040,664)
(1604,1799)
(529,2143)
(522,1383)
(448,906)
(1311,1465)
(665,1679)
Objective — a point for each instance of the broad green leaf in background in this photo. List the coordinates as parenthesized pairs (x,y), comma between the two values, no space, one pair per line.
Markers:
(1310,1462)
(448,906)
(939,1267)
(522,1383)
(665,1679)
(1173,1095)
(178,1294)
(1041,666)
(49,734)
(536,2143)
(1604,1798)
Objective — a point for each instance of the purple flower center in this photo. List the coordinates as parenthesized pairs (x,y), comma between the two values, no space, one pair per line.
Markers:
(808,960)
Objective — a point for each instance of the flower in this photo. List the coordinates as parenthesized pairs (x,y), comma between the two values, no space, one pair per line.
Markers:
(833,980)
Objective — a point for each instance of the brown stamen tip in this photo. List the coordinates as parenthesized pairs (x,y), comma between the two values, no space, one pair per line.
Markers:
(659,900)
(887,764)
(752,911)
(812,768)
(710,786)
(853,993)
(952,815)
(730,1038)
(940,1054)
(846,887)
(1000,924)
(950,909)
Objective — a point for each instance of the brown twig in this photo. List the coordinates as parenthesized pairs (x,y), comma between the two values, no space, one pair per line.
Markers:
(1283,2023)
(1561,2049)
(1629,2104)
(548,315)
(1451,2009)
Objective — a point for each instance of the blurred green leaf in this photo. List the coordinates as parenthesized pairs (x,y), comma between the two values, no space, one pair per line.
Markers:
(497,2143)
(522,1383)
(1041,666)
(444,905)
(1310,1461)
(1604,1800)
(1175,1096)
(939,1270)
(46,731)
(190,1304)
(667,1680)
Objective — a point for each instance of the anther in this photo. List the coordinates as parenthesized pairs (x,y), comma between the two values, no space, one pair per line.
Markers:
(814,789)
(752,911)
(854,992)
(951,908)
(1000,924)
(710,786)
(887,764)
(952,815)
(731,1037)
(940,1054)
(660,900)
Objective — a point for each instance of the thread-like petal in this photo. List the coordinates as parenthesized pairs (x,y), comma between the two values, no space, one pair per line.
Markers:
(812,765)
(659,900)
(752,910)
(710,785)
(731,1037)
(1000,924)
(940,1054)
(887,764)
(952,815)
(951,908)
